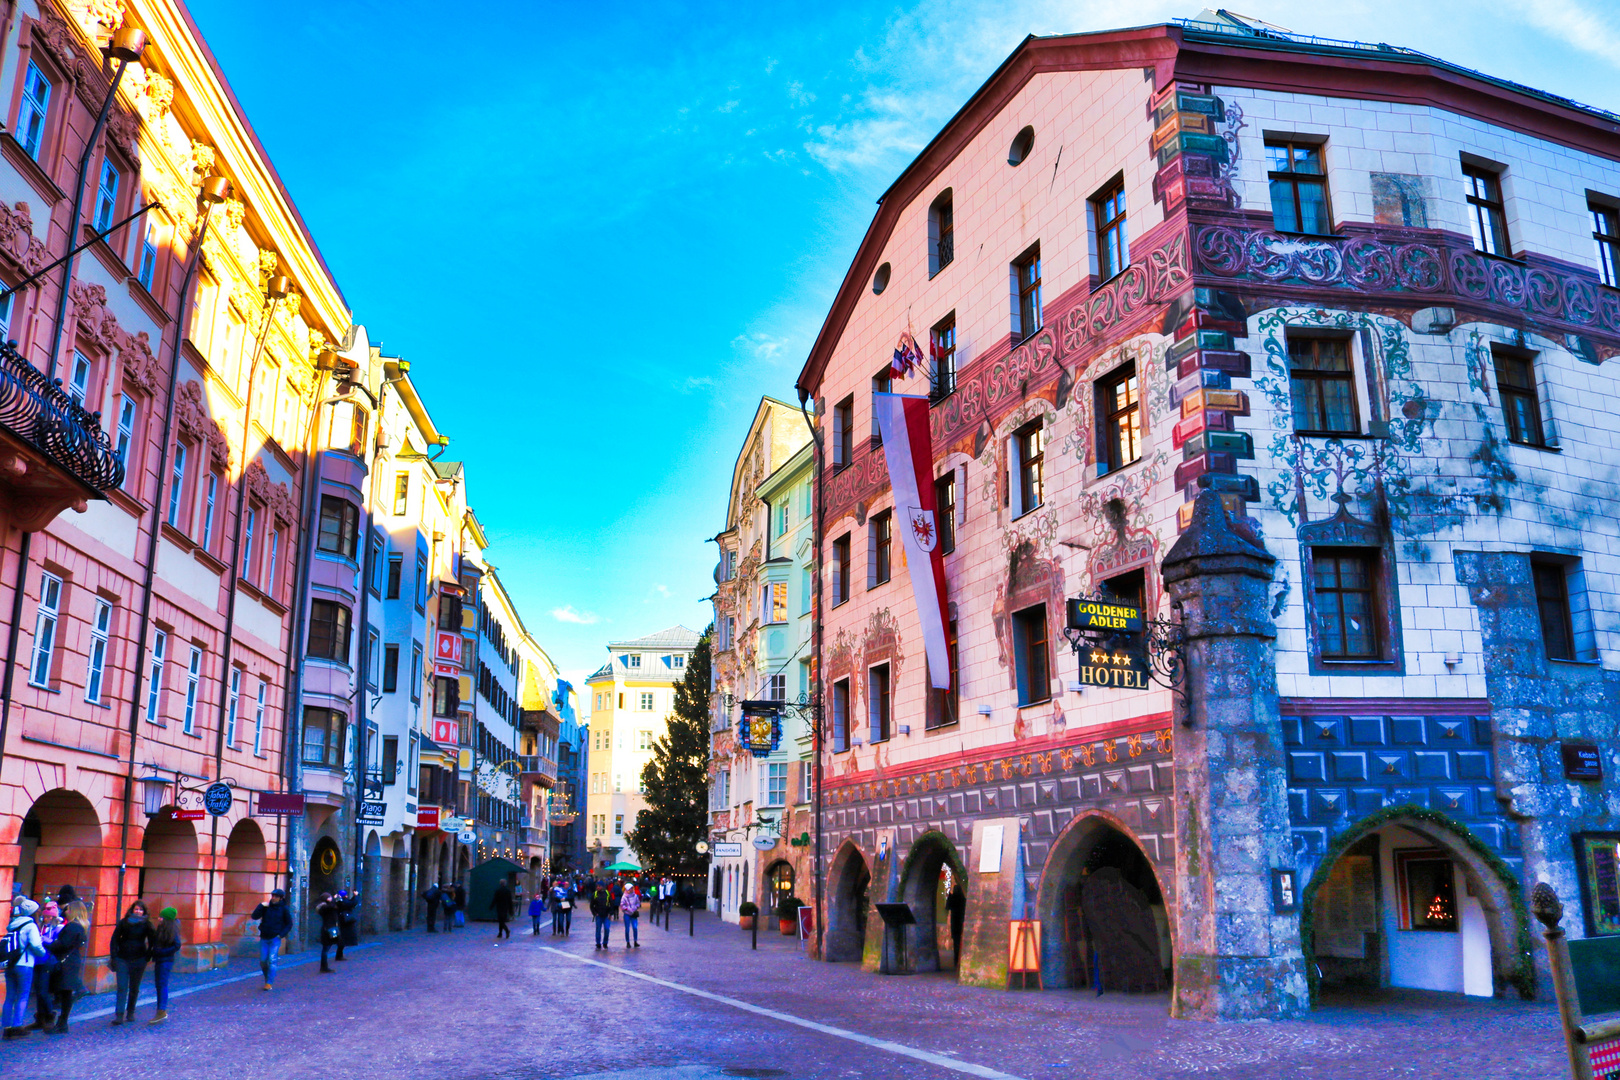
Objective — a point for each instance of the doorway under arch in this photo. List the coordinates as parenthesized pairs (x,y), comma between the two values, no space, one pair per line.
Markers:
(325,869)
(778,884)
(1409,898)
(60,844)
(931,875)
(849,880)
(246,884)
(1104,921)
(169,871)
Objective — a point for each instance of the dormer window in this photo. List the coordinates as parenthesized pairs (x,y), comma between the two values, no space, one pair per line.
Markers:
(633,660)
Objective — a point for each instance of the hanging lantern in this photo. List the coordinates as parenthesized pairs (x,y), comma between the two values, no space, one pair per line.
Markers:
(153,788)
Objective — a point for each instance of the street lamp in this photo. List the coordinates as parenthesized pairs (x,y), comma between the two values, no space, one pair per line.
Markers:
(153,788)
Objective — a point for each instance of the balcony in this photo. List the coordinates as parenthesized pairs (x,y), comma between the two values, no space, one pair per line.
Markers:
(53,454)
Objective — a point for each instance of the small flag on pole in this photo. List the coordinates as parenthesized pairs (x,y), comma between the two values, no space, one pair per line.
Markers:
(907,356)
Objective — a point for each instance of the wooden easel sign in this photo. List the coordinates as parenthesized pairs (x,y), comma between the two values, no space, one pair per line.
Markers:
(1024,952)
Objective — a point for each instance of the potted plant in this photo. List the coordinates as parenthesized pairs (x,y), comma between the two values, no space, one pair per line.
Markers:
(787,915)
(745,914)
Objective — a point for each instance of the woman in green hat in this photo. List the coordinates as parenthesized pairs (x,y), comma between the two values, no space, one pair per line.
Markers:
(166,944)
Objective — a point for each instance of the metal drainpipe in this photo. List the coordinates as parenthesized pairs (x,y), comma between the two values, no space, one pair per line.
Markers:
(815,806)
(157,526)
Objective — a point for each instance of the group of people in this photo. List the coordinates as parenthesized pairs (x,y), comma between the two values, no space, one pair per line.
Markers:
(450,899)
(44,956)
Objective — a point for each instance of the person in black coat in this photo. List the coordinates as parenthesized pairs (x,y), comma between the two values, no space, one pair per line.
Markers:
(67,977)
(348,923)
(130,949)
(504,904)
(432,896)
(275,923)
(327,909)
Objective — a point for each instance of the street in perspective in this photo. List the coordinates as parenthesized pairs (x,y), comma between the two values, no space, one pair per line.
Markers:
(1025,541)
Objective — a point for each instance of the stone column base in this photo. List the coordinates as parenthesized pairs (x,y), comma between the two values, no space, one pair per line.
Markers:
(1240,988)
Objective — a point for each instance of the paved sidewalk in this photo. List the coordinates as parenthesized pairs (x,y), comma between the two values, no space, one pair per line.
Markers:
(704,1007)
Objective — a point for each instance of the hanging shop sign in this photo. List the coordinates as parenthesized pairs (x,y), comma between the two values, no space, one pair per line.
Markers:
(760,729)
(466,836)
(217,799)
(372,813)
(188,813)
(1101,615)
(1118,648)
(275,803)
(731,850)
(1122,669)
(427,818)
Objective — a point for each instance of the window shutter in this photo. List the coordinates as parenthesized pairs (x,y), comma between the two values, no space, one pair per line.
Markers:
(1014,498)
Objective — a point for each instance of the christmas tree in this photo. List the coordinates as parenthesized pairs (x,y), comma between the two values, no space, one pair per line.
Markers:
(666,833)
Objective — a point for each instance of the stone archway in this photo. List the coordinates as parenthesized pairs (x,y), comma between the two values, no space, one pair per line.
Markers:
(849,881)
(1104,918)
(1408,897)
(169,869)
(60,844)
(777,882)
(932,870)
(373,911)
(246,885)
(325,870)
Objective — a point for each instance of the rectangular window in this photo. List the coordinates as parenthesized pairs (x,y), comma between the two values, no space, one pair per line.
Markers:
(1486,217)
(270,569)
(945,511)
(878,704)
(96,658)
(807,780)
(324,737)
(45,623)
(1323,385)
(1345,587)
(177,484)
(128,409)
(782,515)
(880,532)
(373,663)
(421,582)
(31,113)
(843,439)
(1030,655)
(78,387)
(416,672)
(646,701)
(644,739)
(1027,289)
(1427,887)
(942,356)
(634,660)
(390,760)
(941,233)
(1119,402)
(247,544)
(1299,196)
(1108,220)
(209,505)
(1521,405)
(106,197)
(778,601)
(233,702)
(1029,450)
(146,273)
(329,631)
(840,715)
(154,690)
(402,494)
(390,682)
(446,696)
(618,819)
(775,786)
(882,383)
(377,551)
(776,688)
(1129,588)
(396,567)
(1552,602)
(340,524)
(1606,235)
(193,682)
(258,717)
(943,704)
(840,568)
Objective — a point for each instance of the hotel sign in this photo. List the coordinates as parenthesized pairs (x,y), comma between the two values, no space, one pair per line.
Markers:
(1099,616)
(1119,669)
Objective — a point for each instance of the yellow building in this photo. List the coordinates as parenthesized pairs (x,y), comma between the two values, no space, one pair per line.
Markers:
(630,699)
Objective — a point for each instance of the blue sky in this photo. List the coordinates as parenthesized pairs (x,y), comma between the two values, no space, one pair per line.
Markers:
(601,231)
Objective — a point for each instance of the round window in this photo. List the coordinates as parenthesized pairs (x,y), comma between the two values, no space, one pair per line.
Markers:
(880,280)
(1022,144)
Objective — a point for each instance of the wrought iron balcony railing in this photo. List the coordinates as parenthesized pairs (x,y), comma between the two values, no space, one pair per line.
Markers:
(39,412)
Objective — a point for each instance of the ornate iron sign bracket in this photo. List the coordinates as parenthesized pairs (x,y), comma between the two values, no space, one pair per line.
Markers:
(1159,646)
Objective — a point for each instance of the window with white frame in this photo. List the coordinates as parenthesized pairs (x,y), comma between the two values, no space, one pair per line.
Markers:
(634,660)
(773,784)
(50,613)
(247,543)
(678,661)
(78,386)
(233,703)
(807,779)
(210,504)
(776,688)
(193,683)
(645,741)
(128,409)
(270,570)
(31,113)
(95,663)
(146,272)
(177,484)
(646,701)
(106,196)
(258,717)
(154,690)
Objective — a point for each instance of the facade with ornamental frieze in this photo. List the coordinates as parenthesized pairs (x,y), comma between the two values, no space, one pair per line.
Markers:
(1364,302)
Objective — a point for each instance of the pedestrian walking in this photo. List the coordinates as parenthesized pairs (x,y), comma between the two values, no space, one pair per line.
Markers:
(433,895)
(348,922)
(327,909)
(602,912)
(67,976)
(166,942)
(504,904)
(537,910)
(131,949)
(50,925)
(562,914)
(275,923)
(630,908)
(461,904)
(447,901)
(22,948)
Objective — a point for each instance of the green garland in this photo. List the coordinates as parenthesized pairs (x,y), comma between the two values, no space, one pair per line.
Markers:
(1523,977)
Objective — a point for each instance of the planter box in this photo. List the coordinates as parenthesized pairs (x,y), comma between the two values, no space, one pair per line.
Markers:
(746,922)
(789,927)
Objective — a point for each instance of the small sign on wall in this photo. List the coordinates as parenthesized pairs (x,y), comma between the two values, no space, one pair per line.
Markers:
(1284,891)
(1581,761)
(990,853)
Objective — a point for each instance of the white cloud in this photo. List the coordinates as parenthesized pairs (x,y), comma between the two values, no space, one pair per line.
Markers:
(567,614)
(1574,24)
(760,346)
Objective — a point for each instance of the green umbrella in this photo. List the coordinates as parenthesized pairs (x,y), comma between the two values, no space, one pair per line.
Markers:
(621,867)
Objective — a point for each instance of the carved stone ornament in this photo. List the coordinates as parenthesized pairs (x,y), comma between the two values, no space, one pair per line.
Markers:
(192,414)
(58,37)
(202,160)
(17,239)
(123,130)
(140,366)
(271,494)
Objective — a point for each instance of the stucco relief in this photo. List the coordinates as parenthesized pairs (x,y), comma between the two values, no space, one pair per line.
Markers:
(17,239)
(277,496)
(191,413)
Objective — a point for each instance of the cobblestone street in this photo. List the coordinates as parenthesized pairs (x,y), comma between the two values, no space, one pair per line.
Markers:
(706,1006)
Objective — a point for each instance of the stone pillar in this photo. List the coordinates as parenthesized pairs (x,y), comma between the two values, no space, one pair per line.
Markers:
(1235,959)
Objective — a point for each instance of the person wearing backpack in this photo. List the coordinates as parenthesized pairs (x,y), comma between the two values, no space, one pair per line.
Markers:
(275,923)
(630,908)
(602,911)
(447,900)
(432,896)
(130,949)
(22,948)
(67,976)
(50,925)
(166,944)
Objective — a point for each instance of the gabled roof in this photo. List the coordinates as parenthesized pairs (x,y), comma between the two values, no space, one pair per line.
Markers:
(603,672)
(676,637)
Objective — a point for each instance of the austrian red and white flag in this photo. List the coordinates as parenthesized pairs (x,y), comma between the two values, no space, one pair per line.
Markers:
(903,423)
